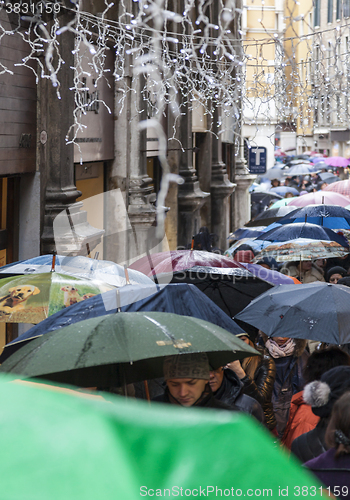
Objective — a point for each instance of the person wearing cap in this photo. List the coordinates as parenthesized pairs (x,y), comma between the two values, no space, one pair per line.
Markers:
(321,396)
(257,374)
(187,380)
(334,274)
(332,467)
(301,417)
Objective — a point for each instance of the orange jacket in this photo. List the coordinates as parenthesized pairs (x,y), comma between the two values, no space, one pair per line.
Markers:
(301,420)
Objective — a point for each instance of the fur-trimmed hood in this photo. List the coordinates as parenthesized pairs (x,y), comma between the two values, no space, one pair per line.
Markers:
(300,345)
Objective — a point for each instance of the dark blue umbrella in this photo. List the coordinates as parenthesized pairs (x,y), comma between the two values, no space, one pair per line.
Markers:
(302,230)
(331,216)
(283,190)
(245,232)
(315,311)
(182,299)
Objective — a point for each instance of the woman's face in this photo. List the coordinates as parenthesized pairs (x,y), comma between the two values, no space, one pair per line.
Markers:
(280,340)
(245,339)
(335,278)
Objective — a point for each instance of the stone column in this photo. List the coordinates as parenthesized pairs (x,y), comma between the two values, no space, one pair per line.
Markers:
(221,188)
(242,202)
(242,177)
(190,197)
(55,158)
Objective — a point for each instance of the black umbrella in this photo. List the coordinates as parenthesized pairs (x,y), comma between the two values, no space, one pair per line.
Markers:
(230,289)
(271,215)
(314,311)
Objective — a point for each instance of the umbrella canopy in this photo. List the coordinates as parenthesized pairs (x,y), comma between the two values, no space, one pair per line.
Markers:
(283,202)
(80,266)
(67,447)
(283,190)
(229,289)
(177,260)
(31,299)
(122,348)
(328,177)
(302,230)
(276,172)
(337,161)
(314,311)
(301,169)
(270,216)
(183,299)
(341,187)
(302,249)
(331,216)
(273,277)
(323,196)
(245,232)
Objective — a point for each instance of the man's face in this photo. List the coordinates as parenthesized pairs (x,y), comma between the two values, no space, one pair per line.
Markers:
(186,390)
(216,378)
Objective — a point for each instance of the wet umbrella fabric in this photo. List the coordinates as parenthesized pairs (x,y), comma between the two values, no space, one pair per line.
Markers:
(271,215)
(302,230)
(122,348)
(302,249)
(314,311)
(245,232)
(32,298)
(273,277)
(331,216)
(341,187)
(80,266)
(71,447)
(301,169)
(284,202)
(229,289)
(324,196)
(328,177)
(337,161)
(177,260)
(183,299)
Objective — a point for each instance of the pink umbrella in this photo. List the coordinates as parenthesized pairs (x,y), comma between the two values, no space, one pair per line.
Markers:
(321,197)
(342,187)
(337,161)
(178,260)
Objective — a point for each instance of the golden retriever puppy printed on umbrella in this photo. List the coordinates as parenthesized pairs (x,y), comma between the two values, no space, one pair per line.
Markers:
(31,299)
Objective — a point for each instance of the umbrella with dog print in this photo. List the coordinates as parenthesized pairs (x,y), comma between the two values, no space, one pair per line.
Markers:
(31,299)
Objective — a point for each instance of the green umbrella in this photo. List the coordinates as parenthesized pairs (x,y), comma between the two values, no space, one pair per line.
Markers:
(283,202)
(56,446)
(122,348)
(32,298)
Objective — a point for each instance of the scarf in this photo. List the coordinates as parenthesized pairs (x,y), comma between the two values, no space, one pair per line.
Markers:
(280,351)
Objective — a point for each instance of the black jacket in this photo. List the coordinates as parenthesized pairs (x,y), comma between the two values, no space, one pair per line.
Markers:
(311,444)
(231,393)
(261,388)
(207,402)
